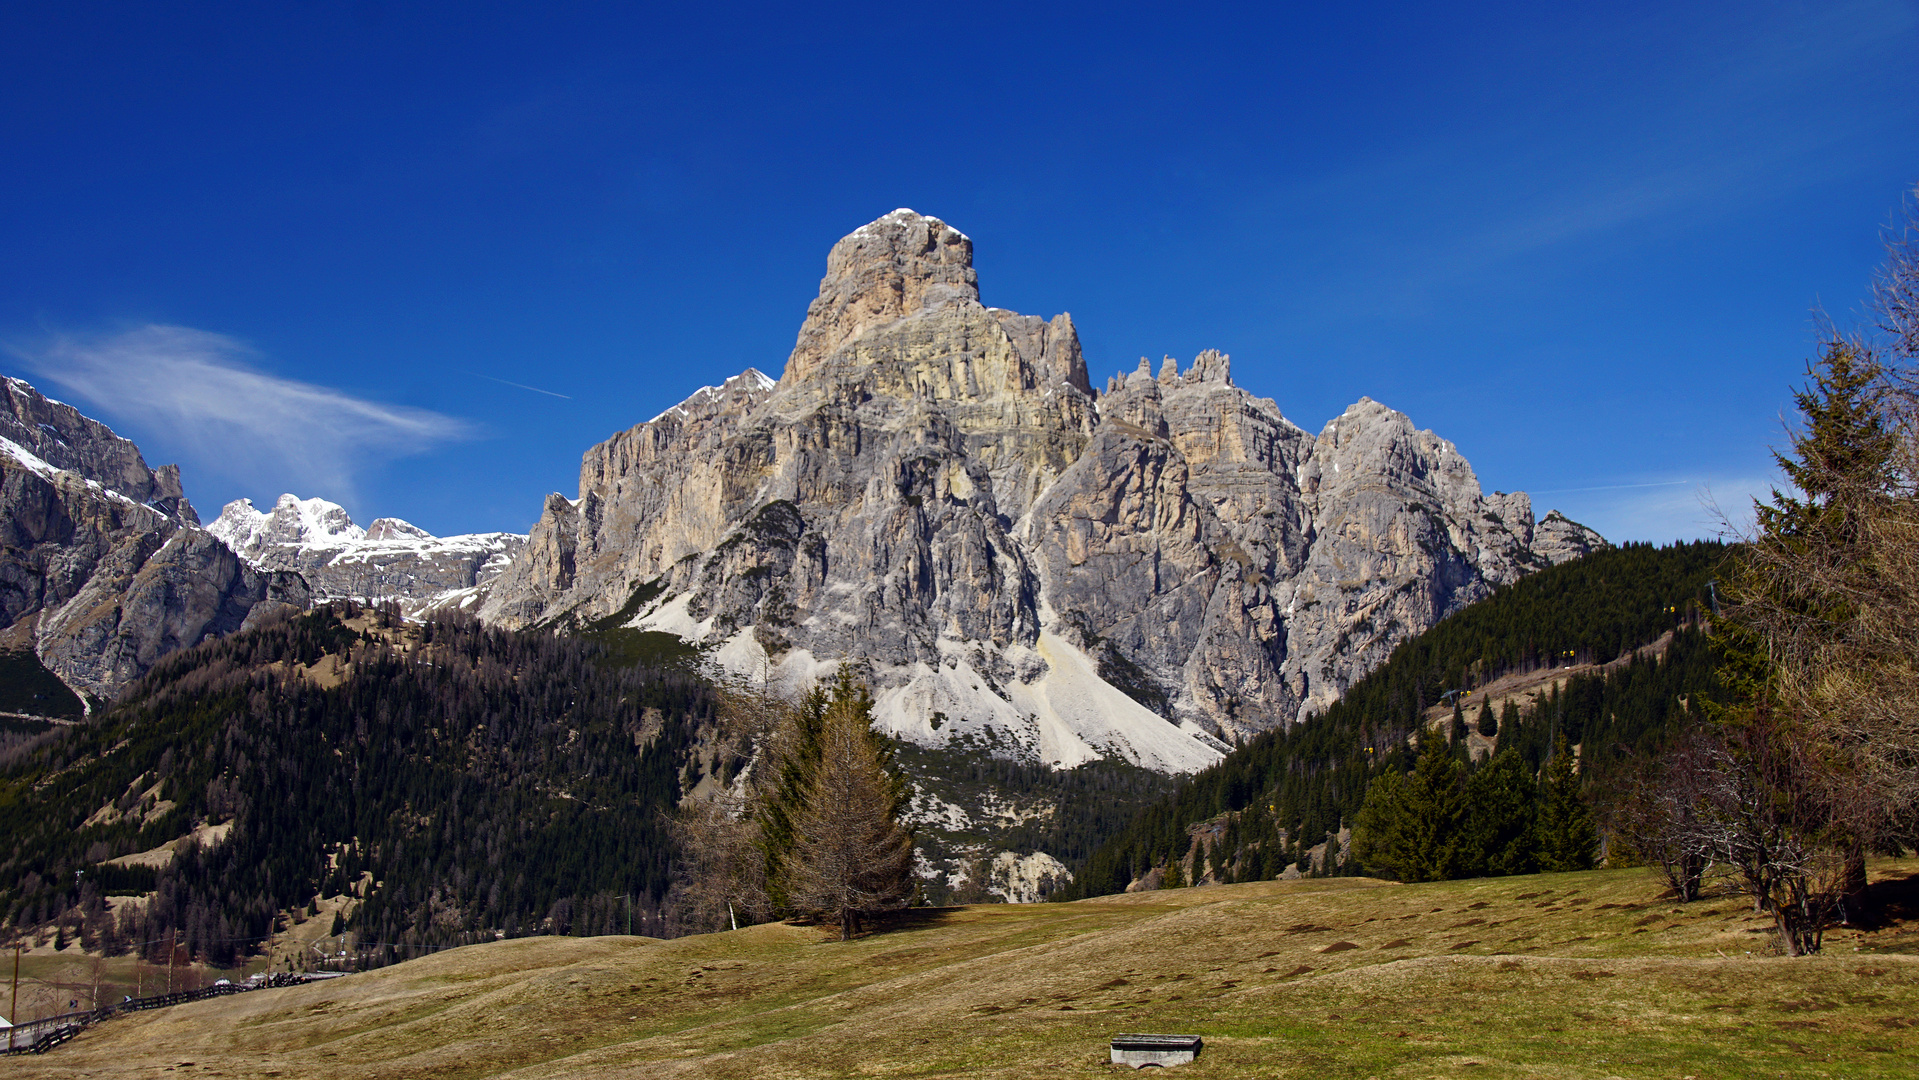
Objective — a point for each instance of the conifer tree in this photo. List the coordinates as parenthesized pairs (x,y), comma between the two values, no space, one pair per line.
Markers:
(792,756)
(1819,635)
(850,854)
(1412,825)
(1567,837)
(1488,724)
(1501,834)
(1459,722)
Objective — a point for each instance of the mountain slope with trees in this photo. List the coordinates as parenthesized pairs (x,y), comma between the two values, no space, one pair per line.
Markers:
(1286,792)
(459,782)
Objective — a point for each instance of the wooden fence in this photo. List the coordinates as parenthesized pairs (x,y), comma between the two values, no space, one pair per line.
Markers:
(39,1036)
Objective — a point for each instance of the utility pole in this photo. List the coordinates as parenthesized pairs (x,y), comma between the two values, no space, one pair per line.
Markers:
(14,1008)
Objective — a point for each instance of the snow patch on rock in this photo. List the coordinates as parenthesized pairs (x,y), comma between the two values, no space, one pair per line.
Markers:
(389,560)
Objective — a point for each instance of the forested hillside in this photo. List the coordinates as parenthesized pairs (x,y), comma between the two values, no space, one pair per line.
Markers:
(1284,792)
(463,782)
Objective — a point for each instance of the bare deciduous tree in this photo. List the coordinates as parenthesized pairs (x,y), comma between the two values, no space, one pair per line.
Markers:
(725,868)
(1662,814)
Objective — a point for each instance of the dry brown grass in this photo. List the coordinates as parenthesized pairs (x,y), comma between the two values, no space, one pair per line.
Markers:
(1569,975)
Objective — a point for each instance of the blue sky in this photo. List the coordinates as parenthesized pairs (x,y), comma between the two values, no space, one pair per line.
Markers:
(417,259)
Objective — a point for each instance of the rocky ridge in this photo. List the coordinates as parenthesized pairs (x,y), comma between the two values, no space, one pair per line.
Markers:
(104,568)
(389,560)
(934,489)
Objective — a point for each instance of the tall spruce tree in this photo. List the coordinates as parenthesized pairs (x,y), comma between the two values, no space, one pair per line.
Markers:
(1567,837)
(1413,825)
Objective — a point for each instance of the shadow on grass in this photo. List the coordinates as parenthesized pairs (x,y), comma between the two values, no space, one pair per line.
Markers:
(913,918)
(1891,901)
(887,922)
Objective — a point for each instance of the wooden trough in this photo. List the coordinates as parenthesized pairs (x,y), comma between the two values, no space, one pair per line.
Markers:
(1158,1051)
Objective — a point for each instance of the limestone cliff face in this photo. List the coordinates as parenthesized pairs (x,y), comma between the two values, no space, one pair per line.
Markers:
(103,566)
(932,488)
(59,435)
(389,560)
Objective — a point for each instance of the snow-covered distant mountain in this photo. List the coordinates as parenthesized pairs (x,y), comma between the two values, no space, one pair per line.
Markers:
(388,560)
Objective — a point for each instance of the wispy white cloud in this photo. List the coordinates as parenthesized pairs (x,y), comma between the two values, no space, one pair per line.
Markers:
(204,394)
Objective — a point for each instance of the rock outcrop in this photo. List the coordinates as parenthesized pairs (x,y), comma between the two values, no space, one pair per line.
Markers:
(389,560)
(57,434)
(934,490)
(104,568)
(1559,538)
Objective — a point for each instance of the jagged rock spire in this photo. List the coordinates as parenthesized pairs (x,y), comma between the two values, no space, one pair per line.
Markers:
(899,265)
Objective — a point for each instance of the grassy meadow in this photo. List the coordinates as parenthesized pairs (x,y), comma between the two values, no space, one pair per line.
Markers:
(1557,975)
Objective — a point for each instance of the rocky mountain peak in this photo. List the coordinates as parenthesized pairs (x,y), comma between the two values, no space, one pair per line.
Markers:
(898,266)
(735,396)
(932,491)
(1559,538)
(59,435)
(390,559)
(1210,367)
(395,529)
(105,569)
(292,521)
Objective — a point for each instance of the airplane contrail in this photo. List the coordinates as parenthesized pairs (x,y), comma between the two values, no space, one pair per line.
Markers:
(523,386)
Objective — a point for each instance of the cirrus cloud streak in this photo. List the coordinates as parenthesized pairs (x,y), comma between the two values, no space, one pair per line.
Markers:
(201,394)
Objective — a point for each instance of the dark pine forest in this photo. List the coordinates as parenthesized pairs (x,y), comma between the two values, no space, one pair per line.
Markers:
(464,782)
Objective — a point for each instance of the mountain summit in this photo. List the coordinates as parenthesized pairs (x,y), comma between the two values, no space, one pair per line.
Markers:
(934,489)
(388,560)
